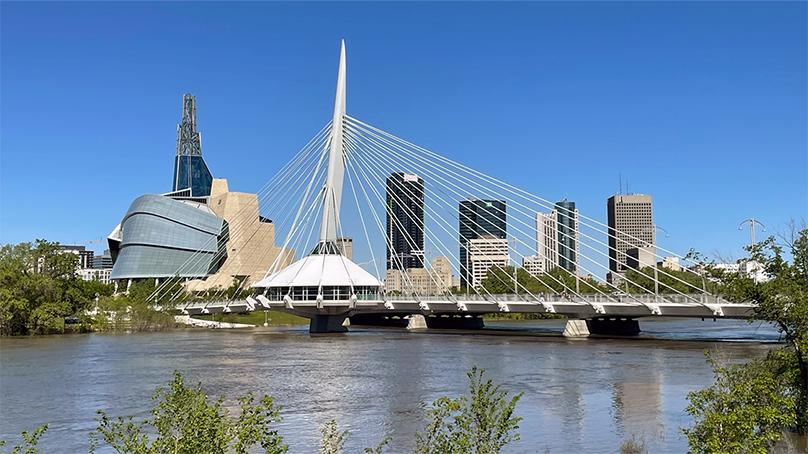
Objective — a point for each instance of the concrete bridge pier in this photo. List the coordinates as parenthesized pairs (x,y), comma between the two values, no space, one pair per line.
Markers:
(576,329)
(327,323)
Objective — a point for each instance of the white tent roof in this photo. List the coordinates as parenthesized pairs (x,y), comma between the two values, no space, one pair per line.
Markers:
(320,269)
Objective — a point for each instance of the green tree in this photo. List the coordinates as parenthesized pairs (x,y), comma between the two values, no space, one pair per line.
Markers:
(332,440)
(670,281)
(482,422)
(500,280)
(39,287)
(782,300)
(30,440)
(184,420)
(744,411)
(751,405)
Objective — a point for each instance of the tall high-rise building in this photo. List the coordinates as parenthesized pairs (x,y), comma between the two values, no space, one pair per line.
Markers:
(191,174)
(405,221)
(557,238)
(546,242)
(631,225)
(478,219)
(567,216)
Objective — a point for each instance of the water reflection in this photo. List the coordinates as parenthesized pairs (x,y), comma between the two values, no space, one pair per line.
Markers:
(580,395)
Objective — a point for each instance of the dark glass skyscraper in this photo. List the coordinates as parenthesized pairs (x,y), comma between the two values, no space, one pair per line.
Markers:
(567,217)
(191,174)
(405,221)
(477,219)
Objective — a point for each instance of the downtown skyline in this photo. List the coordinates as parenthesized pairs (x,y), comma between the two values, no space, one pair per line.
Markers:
(715,141)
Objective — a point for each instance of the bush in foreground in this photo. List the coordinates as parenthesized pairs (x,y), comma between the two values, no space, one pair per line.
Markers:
(185,421)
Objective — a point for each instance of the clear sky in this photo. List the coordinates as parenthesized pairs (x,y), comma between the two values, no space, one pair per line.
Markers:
(702,105)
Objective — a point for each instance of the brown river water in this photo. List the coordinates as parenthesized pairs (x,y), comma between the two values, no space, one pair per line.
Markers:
(584,395)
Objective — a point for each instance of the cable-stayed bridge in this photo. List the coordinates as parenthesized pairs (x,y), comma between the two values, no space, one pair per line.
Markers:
(418,218)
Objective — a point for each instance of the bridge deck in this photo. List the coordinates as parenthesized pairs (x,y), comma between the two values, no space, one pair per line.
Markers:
(700,306)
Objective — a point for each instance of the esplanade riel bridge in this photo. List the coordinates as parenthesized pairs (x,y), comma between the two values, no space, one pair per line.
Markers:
(442,245)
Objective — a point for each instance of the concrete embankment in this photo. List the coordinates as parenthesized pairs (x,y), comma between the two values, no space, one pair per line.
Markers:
(190,321)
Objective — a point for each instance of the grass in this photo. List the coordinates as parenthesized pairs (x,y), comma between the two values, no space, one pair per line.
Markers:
(256,318)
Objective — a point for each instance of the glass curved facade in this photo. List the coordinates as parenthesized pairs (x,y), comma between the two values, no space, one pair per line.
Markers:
(162,237)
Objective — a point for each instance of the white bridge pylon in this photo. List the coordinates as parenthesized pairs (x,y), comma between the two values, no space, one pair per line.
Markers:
(332,193)
(427,222)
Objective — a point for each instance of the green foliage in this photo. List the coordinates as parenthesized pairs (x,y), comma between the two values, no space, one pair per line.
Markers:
(745,411)
(501,281)
(30,440)
(184,420)
(134,311)
(670,281)
(378,449)
(782,300)
(39,287)
(751,405)
(482,422)
(332,440)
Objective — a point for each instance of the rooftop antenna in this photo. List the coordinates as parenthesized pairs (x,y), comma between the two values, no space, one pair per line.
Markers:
(751,222)
(620,177)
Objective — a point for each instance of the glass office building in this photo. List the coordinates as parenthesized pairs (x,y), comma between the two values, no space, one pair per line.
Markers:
(405,221)
(478,219)
(567,222)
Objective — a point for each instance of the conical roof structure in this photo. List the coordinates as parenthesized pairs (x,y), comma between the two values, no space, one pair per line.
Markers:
(321,270)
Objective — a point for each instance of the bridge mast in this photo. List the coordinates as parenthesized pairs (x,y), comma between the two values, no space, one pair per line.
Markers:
(332,193)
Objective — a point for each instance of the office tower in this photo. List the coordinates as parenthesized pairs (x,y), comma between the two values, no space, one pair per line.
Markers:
(191,174)
(546,242)
(477,219)
(405,221)
(631,225)
(567,216)
(485,253)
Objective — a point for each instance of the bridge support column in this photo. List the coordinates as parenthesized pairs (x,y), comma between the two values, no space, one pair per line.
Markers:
(576,328)
(614,326)
(416,321)
(455,322)
(328,324)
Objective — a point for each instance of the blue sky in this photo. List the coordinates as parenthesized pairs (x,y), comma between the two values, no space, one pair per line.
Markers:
(702,105)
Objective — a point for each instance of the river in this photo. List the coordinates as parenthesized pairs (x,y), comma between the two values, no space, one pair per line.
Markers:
(584,395)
